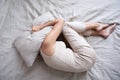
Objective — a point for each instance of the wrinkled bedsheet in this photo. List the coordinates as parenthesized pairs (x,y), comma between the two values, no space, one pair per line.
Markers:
(16,17)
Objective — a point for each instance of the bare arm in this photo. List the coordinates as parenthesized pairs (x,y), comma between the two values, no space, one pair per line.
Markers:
(50,39)
(49,23)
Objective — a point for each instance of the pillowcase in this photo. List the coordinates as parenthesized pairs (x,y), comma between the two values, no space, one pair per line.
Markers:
(29,45)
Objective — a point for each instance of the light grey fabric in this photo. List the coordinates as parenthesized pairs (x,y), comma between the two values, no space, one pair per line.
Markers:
(43,18)
(29,45)
(15,17)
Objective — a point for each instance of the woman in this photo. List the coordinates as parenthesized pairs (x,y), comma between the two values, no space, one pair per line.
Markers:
(82,56)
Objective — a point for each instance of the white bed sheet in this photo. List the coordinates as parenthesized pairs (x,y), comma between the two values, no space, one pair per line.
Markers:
(16,17)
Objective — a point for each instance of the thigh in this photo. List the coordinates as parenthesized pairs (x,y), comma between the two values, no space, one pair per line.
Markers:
(84,53)
(77,26)
(75,40)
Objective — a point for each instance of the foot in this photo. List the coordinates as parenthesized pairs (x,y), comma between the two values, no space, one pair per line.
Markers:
(107,31)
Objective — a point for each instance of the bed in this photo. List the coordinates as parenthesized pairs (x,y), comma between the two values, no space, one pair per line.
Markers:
(16,17)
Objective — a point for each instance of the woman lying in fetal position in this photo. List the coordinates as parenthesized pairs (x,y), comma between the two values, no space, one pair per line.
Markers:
(82,56)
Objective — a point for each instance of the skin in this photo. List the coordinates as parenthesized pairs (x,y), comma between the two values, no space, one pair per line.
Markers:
(105,32)
(95,26)
(48,45)
(49,42)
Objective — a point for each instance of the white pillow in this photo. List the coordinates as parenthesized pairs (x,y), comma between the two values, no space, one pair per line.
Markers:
(28,46)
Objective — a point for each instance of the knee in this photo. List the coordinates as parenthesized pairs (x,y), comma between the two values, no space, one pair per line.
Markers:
(93,55)
(89,59)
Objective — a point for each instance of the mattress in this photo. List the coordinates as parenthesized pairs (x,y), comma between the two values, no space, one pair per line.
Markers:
(16,17)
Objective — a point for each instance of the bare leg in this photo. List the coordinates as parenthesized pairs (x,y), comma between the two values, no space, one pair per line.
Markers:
(95,26)
(104,32)
(85,26)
